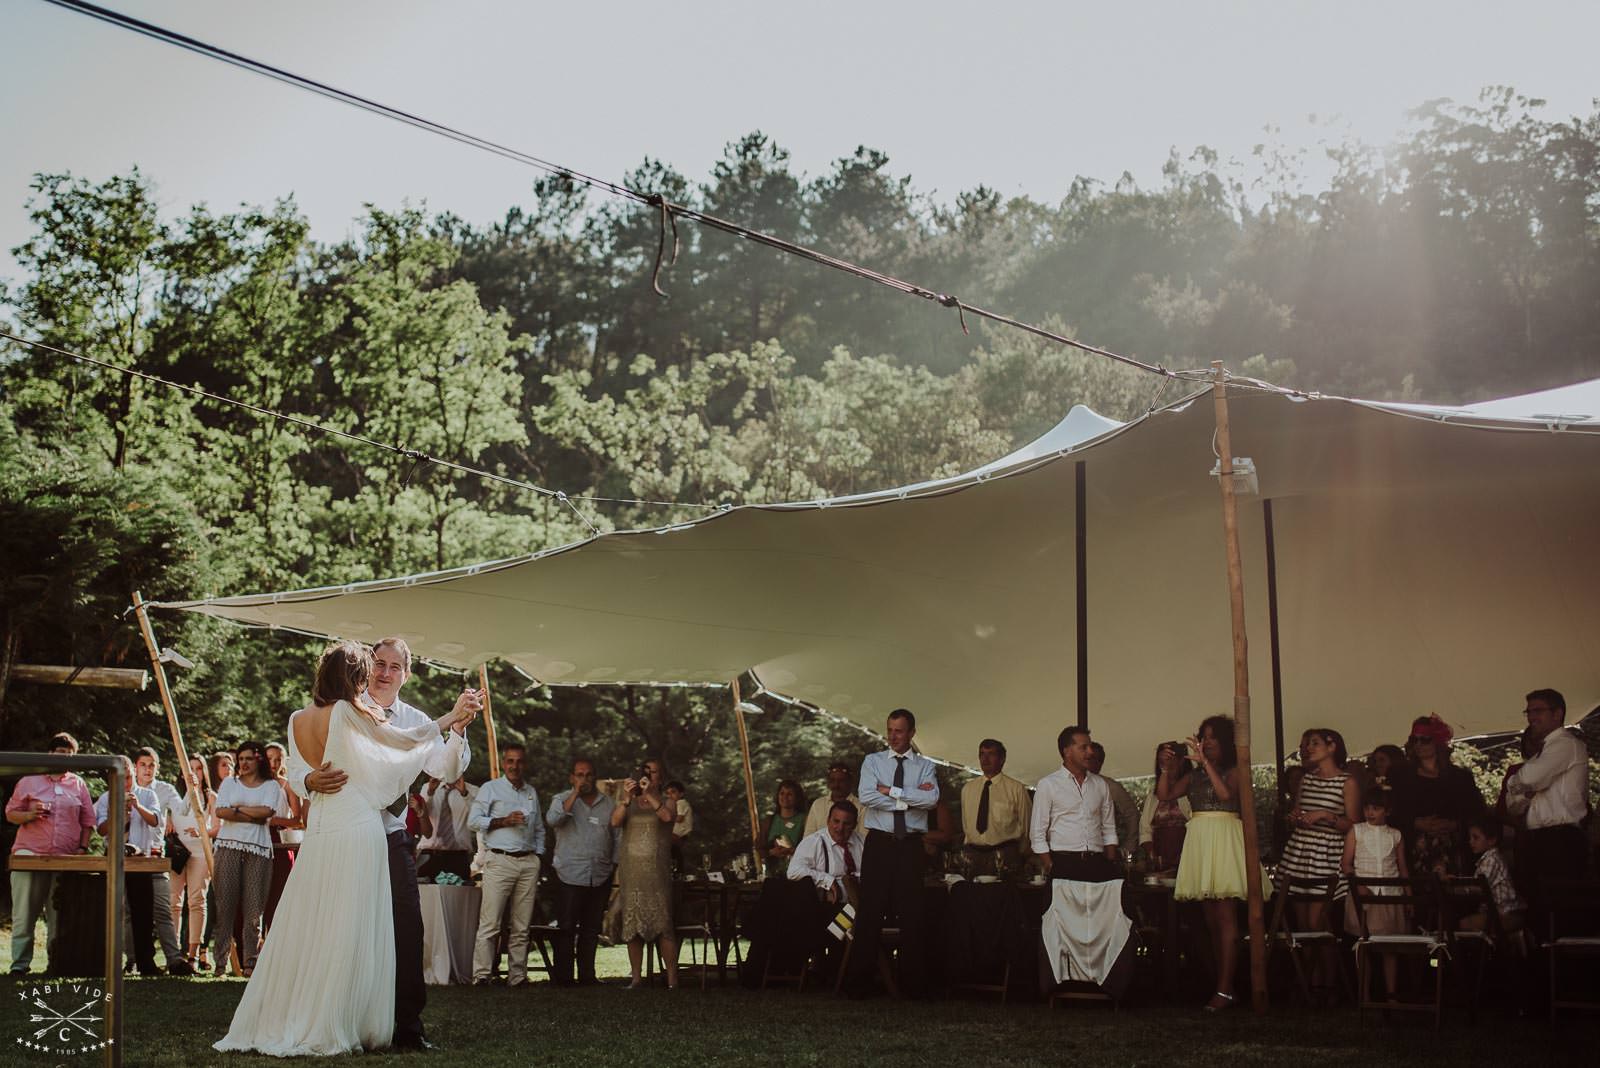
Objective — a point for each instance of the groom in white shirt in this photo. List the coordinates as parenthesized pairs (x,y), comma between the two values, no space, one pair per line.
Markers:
(391,667)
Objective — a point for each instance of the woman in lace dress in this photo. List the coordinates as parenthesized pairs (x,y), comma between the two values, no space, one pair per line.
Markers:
(324,983)
(644,876)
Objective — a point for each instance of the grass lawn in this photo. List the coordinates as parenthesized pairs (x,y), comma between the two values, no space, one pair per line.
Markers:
(171,1023)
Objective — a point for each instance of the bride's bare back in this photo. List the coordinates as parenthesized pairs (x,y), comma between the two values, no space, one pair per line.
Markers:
(310,726)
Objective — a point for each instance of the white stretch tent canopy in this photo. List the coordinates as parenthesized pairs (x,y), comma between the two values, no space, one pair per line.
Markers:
(1428,559)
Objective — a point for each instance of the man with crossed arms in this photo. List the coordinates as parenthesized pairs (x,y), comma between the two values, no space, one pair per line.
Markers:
(898,791)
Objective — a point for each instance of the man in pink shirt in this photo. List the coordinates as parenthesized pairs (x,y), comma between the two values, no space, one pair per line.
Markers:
(54,815)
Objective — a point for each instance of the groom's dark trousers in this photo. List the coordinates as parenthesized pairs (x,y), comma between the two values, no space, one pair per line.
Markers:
(409,992)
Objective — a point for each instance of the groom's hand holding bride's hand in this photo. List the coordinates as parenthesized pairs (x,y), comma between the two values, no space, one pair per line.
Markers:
(467,707)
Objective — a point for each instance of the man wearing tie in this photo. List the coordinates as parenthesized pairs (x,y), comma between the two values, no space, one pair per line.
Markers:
(898,791)
(994,814)
(832,855)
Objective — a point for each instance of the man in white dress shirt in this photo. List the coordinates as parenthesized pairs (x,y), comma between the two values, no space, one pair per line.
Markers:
(451,845)
(140,812)
(832,854)
(1554,786)
(146,765)
(898,792)
(1074,829)
(1074,833)
(391,667)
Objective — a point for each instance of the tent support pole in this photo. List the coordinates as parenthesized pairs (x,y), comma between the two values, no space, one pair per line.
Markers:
(749,779)
(1080,523)
(1272,634)
(488,722)
(179,750)
(1241,696)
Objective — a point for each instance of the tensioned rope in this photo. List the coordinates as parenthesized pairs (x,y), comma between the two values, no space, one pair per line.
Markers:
(414,455)
(669,211)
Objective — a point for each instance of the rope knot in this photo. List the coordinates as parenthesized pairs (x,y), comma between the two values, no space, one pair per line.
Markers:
(950,300)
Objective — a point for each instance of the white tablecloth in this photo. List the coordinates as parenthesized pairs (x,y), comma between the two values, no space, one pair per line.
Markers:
(449,922)
(1084,930)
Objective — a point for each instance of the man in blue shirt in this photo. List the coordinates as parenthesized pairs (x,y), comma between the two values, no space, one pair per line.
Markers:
(898,791)
(585,857)
(506,813)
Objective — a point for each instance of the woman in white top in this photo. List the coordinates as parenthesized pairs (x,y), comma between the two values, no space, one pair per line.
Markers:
(195,876)
(325,981)
(246,801)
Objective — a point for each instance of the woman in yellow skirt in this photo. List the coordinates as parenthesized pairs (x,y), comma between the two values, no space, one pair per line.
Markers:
(1211,869)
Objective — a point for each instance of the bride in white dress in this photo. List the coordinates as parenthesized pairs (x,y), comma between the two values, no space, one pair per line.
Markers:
(324,983)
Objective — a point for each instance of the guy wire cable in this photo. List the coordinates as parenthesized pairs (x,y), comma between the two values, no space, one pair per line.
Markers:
(667,208)
(411,454)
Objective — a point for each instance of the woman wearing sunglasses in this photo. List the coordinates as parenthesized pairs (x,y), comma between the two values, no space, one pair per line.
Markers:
(1437,801)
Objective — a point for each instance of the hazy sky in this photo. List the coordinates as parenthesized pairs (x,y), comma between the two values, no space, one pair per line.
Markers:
(1020,97)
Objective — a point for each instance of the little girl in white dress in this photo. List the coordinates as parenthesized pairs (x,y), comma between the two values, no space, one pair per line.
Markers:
(1375,850)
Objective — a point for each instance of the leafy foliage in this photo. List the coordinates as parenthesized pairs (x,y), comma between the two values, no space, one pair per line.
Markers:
(1464,261)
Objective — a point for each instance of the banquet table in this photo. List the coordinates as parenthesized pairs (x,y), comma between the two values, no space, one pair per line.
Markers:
(78,938)
(449,923)
(990,935)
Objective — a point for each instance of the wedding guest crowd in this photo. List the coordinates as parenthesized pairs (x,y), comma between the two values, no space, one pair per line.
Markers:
(867,841)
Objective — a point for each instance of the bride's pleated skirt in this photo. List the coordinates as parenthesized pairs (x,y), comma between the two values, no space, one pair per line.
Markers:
(324,983)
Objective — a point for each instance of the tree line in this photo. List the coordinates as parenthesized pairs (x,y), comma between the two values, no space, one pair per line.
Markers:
(1462,262)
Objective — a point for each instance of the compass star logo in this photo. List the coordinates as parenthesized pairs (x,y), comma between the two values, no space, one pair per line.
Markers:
(63,1018)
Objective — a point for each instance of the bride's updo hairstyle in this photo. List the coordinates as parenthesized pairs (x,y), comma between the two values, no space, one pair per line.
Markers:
(342,673)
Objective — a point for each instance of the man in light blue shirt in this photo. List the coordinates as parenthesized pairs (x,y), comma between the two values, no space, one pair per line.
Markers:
(506,813)
(898,790)
(585,857)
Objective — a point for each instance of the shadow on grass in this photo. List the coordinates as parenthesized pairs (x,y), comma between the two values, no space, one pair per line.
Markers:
(172,1023)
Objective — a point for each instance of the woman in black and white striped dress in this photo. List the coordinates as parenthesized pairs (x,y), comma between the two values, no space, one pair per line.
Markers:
(1326,806)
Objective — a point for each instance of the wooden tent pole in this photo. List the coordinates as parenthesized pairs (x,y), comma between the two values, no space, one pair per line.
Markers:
(488,722)
(178,749)
(1081,561)
(1241,696)
(749,779)
(107,678)
(1272,636)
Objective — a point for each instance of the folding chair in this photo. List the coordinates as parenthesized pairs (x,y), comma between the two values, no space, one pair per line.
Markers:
(741,907)
(544,930)
(888,942)
(1301,945)
(1570,907)
(1466,896)
(1430,940)
(695,922)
